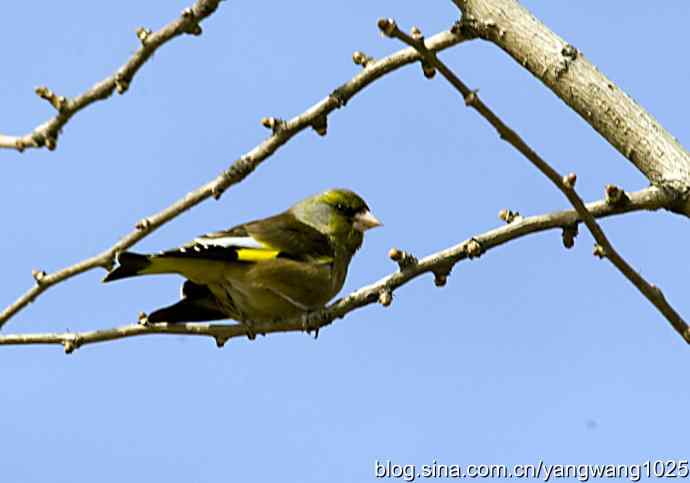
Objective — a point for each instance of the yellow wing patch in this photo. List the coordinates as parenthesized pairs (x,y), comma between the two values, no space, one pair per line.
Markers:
(256,255)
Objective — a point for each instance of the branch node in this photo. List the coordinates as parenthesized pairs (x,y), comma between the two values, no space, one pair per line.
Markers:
(456,28)
(509,216)
(58,102)
(569,52)
(599,251)
(615,196)
(143,34)
(38,138)
(143,224)
(386,297)
(320,125)
(217,192)
(428,70)
(441,279)
(657,291)
(192,24)
(220,341)
(402,258)
(19,144)
(121,83)
(275,124)
(474,249)
(416,34)
(51,143)
(340,97)
(38,275)
(569,234)
(238,171)
(71,344)
(387,26)
(472,98)
(360,58)
(569,180)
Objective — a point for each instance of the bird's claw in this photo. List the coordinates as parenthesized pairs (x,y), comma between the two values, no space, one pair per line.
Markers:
(307,321)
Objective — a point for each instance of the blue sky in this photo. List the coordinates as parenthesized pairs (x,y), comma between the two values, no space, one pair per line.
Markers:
(532,352)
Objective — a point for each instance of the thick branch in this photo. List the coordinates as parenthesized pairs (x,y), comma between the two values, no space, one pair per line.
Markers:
(565,185)
(283,131)
(566,71)
(47,133)
(439,264)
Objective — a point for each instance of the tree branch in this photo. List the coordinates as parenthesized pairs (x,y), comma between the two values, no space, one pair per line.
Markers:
(439,263)
(565,184)
(565,70)
(47,133)
(283,131)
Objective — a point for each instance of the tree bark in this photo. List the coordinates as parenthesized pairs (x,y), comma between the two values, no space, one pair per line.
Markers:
(567,72)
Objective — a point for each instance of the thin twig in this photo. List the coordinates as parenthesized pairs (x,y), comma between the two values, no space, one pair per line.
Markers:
(283,131)
(565,185)
(46,134)
(440,264)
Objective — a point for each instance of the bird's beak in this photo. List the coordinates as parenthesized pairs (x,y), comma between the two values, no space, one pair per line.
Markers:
(364,221)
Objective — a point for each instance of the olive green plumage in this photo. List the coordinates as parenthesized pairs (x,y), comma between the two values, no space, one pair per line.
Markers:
(270,269)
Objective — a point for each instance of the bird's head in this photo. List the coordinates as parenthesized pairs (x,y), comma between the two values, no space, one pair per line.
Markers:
(340,213)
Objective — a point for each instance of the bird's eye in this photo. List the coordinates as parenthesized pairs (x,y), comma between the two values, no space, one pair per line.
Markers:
(340,207)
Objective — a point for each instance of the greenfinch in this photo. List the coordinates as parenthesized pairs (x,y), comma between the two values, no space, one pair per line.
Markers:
(266,270)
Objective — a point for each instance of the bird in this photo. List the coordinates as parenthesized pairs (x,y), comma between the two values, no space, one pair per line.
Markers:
(275,268)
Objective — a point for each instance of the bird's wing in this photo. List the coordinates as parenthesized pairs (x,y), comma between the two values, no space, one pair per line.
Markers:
(278,236)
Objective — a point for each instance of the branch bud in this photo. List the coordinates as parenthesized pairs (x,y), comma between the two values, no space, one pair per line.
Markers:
(599,251)
(440,279)
(569,234)
(569,180)
(51,143)
(69,346)
(387,26)
(403,259)
(143,34)
(474,249)
(428,70)
(192,27)
(58,102)
(320,125)
(509,216)
(360,58)
(275,124)
(38,275)
(385,297)
(471,98)
(143,224)
(615,196)
(121,84)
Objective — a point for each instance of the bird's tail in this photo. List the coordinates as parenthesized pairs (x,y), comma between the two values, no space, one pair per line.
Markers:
(130,265)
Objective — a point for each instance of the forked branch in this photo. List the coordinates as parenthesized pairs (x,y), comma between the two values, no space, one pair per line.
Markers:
(282,131)
(566,185)
(46,134)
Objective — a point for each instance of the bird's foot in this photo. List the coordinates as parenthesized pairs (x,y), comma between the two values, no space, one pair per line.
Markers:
(310,322)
